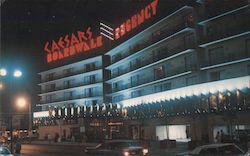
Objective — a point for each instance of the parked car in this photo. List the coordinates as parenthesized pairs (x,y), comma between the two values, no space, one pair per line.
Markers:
(4,151)
(216,149)
(117,148)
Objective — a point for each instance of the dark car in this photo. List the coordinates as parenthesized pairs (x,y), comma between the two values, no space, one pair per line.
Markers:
(117,148)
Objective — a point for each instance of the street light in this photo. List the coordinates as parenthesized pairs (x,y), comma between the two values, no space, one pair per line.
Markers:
(1,85)
(21,102)
(3,72)
(16,74)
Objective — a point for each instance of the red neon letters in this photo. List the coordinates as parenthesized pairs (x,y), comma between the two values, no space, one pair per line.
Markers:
(70,45)
(136,20)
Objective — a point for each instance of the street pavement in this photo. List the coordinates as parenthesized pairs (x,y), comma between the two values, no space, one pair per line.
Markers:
(73,149)
(51,150)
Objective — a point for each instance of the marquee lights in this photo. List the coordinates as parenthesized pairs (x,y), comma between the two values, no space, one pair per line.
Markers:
(41,114)
(194,90)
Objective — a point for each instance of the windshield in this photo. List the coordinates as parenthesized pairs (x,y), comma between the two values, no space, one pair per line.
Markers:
(4,150)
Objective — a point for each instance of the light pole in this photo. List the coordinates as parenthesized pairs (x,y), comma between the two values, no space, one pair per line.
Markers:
(21,103)
(16,74)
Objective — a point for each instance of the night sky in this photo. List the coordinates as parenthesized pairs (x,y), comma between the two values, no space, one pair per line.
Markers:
(27,24)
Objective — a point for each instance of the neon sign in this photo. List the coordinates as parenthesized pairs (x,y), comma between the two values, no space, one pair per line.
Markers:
(136,20)
(70,45)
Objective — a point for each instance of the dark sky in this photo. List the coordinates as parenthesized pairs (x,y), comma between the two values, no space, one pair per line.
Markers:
(27,24)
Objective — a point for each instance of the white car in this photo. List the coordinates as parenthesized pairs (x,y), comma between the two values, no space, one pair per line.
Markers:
(216,149)
(4,151)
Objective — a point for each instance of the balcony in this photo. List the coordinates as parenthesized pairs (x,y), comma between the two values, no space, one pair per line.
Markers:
(74,97)
(69,74)
(149,61)
(227,59)
(227,32)
(169,74)
(71,86)
(225,6)
(162,34)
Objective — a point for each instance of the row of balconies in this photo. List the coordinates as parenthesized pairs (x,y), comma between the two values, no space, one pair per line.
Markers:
(225,59)
(227,32)
(212,9)
(149,61)
(80,84)
(73,97)
(144,81)
(53,77)
(155,38)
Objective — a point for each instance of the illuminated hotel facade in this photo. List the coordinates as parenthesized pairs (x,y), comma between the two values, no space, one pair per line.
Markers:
(185,77)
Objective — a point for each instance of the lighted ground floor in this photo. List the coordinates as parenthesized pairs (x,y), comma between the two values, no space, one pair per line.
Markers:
(198,128)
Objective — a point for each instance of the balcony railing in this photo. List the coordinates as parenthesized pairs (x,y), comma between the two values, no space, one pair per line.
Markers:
(71,86)
(70,74)
(154,39)
(227,32)
(74,97)
(212,11)
(142,81)
(226,59)
(149,61)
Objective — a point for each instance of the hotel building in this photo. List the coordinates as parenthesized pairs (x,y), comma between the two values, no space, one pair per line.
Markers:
(184,78)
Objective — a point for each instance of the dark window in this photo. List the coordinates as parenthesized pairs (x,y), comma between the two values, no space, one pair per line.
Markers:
(117,98)
(163,87)
(115,72)
(189,20)
(53,86)
(248,69)
(50,76)
(216,55)
(90,66)
(208,151)
(68,83)
(215,76)
(135,94)
(188,41)
(248,47)
(191,80)
(229,150)
(88,92)
(68,95)
(189,62)
(135,80)
(135,64)
(89,79)
(159,72)
(68,71)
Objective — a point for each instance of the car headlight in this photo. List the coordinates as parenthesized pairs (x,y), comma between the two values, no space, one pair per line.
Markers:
(126,153)
(145,151)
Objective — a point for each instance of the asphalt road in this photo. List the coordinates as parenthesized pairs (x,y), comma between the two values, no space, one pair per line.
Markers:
(52,150)
(78,150)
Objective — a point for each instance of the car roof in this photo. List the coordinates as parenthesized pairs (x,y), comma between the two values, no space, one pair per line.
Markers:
(216,145)
(199,148)
(114,141)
